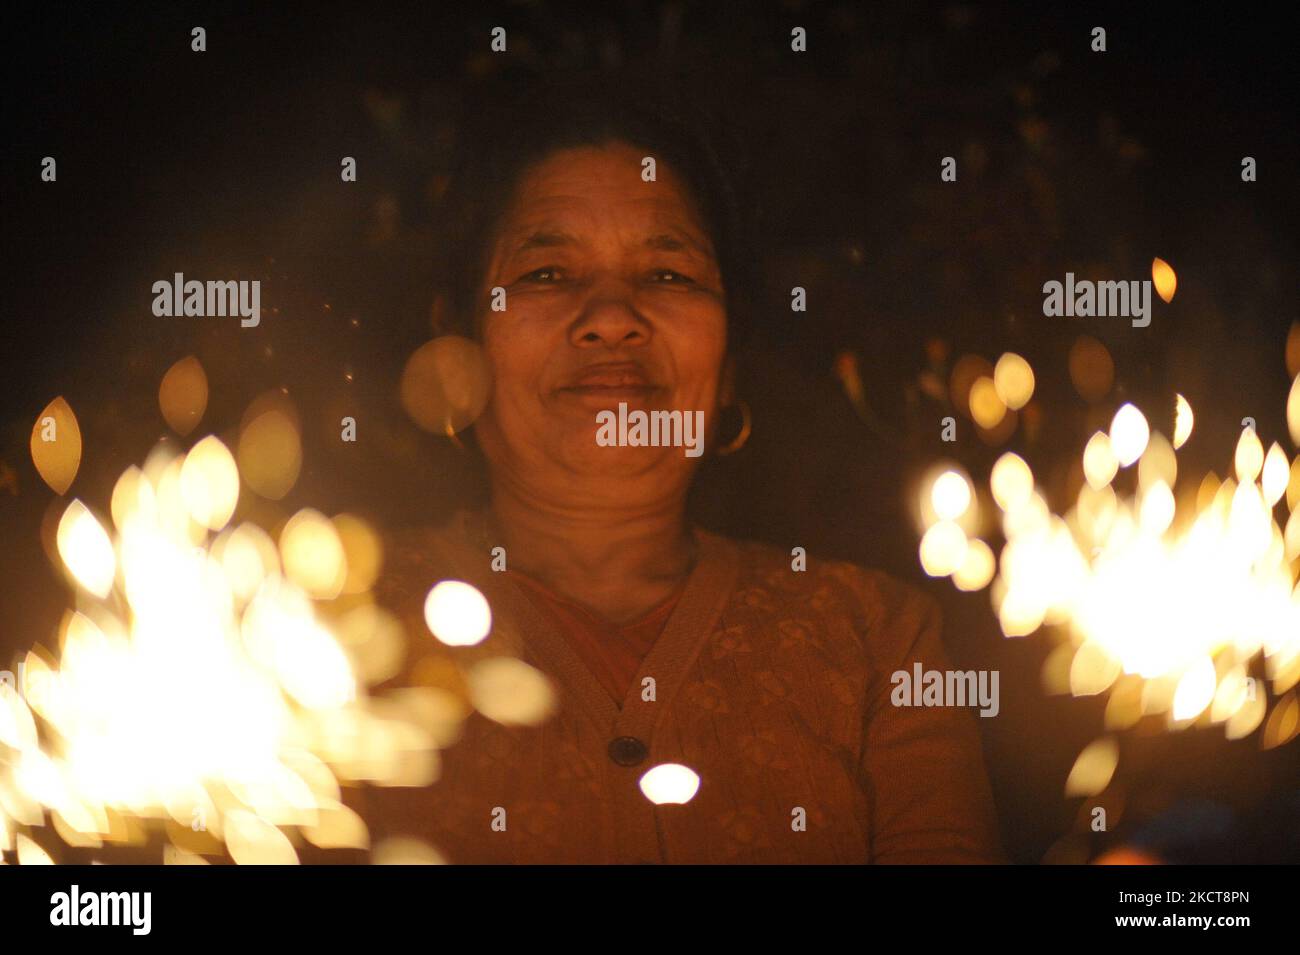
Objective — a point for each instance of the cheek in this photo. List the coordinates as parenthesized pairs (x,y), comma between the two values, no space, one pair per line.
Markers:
(518,357)
(511,351)
(698,347)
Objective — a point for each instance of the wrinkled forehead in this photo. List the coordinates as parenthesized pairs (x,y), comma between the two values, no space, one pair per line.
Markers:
(596,190)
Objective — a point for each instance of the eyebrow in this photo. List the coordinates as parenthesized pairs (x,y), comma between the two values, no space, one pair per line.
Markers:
(662,242)
(545,240)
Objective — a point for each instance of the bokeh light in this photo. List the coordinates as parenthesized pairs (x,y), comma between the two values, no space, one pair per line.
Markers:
(1164,279)
(1129,433)
(670,783)
(457,614)
(1013,379)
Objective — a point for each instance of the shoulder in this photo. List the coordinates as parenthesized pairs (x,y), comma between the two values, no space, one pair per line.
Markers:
(415,556)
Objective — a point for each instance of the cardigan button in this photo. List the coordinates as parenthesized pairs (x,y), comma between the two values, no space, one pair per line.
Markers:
(627,750)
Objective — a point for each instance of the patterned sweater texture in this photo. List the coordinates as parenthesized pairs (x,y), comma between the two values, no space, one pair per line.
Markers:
(771,684)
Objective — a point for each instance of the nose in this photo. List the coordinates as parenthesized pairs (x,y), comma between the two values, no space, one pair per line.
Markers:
(609,318)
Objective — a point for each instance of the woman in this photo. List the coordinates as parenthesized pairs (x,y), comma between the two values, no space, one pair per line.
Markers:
(664,643)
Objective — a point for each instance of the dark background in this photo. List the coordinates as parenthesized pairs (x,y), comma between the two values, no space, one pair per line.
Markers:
(225,164)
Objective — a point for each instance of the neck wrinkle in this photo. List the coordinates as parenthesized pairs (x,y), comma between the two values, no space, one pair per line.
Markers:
(551,543)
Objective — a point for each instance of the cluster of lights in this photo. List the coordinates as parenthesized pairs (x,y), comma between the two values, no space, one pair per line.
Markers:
(1165,605)
(214,679)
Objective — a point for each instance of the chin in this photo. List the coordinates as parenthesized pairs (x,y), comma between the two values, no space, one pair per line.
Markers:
(581,454)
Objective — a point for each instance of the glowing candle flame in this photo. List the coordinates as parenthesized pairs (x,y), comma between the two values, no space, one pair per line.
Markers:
(86,550)
(1011,481)
(313,554)
(56,445)
(951,495)
(986,406)
(977,567)
(1293,412)
(1164,609)
(1166,281)
(209,483)
(1128,435)
(1249,458)
(1276,474)
(208,693)
(1013,379)
(1184,421)
(943,548)
(1099,462)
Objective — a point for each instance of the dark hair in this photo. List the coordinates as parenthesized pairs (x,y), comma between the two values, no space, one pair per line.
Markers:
(511,132)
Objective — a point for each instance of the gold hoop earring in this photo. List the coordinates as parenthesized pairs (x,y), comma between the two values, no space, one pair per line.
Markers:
(746,428)
(454,437)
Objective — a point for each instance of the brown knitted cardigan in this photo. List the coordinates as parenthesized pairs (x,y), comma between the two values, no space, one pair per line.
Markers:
(772,684)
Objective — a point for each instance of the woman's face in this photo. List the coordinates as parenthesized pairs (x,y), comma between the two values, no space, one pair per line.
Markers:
(612,295)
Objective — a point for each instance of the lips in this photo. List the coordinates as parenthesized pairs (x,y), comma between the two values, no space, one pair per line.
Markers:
(610,378)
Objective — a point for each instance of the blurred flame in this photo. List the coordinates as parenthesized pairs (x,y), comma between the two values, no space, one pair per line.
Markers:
(511,692)
(1012,482)
(86,550)
(977,567)
(1283,723)
(1013,379)
(951,495)
(1249,458)
(1184,421)
(1161,602)
(198,687)
(270,447)
(1276,475)
(1293,412)
(337,827)
(402,850)
(313,555)
(965,372)
(1093,769)
(986,406)
(56,445)
(1129,434)
(1100,465)
(1196,690)
(1158,464)
(943,549)
(183,395)
(209,483)
(1166,282)
(29,853)
(362,554)
(254,841)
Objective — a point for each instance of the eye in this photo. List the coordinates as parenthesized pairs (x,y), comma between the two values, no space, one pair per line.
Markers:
(544,275)
(670,277)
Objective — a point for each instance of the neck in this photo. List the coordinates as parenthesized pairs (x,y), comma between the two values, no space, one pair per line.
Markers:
(593,550)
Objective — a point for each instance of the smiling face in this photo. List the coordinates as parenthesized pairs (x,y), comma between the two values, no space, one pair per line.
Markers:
(613,294)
